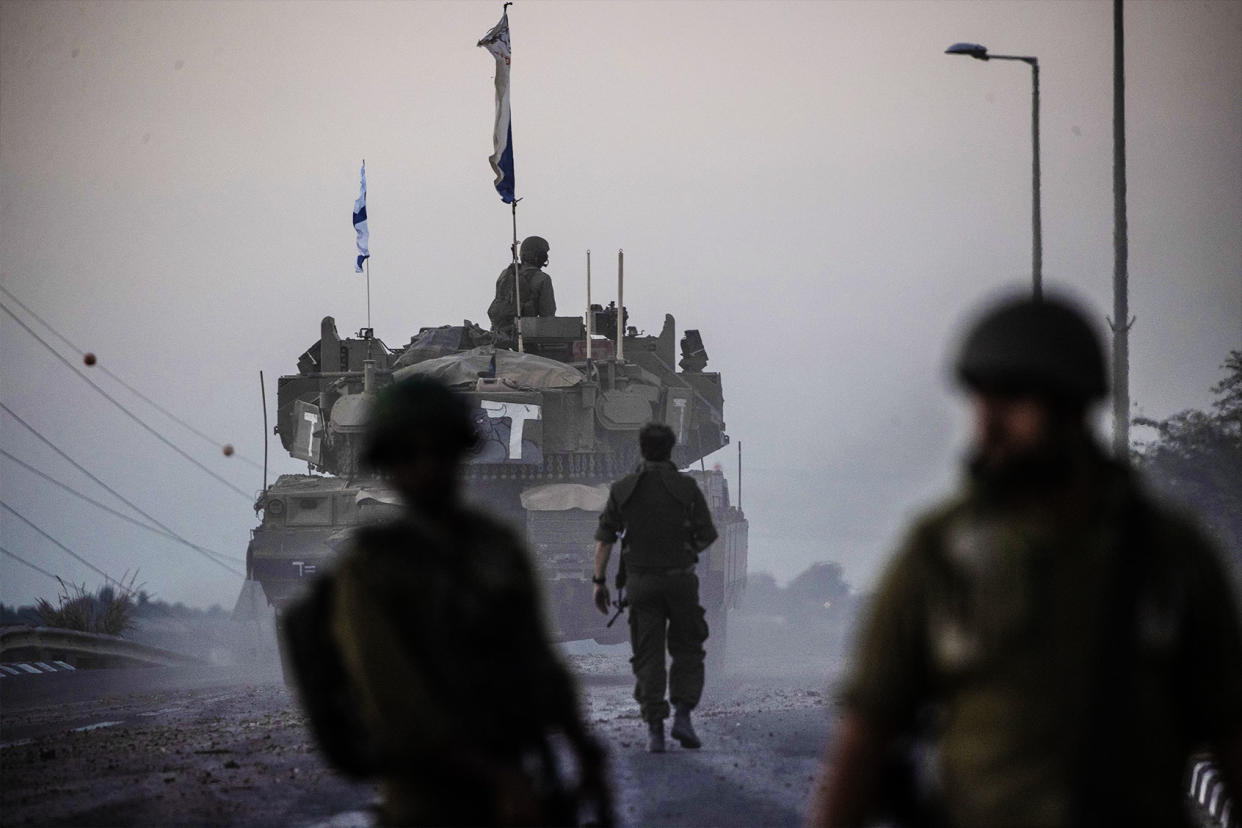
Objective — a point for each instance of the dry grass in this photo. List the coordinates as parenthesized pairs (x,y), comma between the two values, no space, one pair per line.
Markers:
(103,611)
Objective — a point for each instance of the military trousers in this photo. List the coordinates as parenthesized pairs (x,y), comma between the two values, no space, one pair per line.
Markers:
(665,612)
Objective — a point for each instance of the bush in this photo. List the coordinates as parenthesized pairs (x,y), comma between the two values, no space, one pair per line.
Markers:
(101,612)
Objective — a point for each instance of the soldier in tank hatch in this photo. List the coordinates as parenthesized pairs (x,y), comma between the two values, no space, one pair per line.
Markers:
(666,524)
(436,617)
(1061,642)
(537,296)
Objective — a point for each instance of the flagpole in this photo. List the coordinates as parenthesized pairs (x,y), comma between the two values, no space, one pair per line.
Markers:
(496,41)
(367,265)
(517,285)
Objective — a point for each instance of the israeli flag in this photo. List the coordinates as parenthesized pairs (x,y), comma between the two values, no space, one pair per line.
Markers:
(360,222)
(496,41)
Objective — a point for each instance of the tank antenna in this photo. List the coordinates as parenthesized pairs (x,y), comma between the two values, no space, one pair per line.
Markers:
(739,475)
(263,396)
(620,305)
(588,308)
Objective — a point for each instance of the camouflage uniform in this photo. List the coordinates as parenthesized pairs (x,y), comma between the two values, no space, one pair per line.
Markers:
(999,617)
(666,523)
(439,628)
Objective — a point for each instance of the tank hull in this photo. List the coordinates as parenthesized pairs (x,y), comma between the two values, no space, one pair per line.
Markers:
(283,557)
(558,422)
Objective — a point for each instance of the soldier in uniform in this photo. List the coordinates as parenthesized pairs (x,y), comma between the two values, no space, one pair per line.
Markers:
(437,621)
(666,524)
(537,296)
(1061,642)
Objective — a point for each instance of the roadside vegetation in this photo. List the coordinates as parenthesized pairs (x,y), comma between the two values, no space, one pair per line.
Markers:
(109,609)
(106,610)
(1194,459)
(819,592)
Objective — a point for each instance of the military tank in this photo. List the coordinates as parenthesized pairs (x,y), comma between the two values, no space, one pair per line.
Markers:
(558,422)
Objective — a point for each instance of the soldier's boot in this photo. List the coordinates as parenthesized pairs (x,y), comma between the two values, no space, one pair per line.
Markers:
(683,731)
(655,736)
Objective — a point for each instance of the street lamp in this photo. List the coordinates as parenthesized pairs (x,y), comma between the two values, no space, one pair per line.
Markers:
(978,52)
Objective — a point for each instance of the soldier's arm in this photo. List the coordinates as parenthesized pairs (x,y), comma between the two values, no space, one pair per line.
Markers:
(847,779)
(603,550)
(547,298)
(886,684)
(605,536)
(558,693)
(1215,646)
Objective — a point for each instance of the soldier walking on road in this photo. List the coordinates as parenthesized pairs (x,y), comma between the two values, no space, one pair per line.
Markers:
(663,520)
(1059,641)
(436,619)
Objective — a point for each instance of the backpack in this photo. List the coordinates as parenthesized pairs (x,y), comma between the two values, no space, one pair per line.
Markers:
(313,664)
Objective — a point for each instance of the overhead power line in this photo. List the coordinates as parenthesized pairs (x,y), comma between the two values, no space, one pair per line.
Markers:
(115,512)
(103,368)
(58,579)
(78,557)
(121,407)
(62,547)
(20,559)
(111,490)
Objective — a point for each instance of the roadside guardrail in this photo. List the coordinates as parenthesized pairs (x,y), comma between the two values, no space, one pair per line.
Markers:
(96,645)
(1207,789)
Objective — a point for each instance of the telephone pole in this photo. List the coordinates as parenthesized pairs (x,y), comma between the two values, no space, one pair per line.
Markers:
(1121,321)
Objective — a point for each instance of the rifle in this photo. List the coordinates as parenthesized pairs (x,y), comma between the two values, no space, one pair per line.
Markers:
(622,601)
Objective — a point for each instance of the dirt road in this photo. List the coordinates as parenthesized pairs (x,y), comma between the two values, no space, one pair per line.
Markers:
(231,747)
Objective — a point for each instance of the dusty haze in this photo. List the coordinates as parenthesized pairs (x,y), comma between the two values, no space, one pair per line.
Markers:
(816,187)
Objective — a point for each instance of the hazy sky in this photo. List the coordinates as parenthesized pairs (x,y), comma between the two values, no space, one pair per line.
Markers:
(815,186)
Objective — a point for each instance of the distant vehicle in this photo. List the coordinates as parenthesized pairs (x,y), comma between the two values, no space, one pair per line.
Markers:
(558,428)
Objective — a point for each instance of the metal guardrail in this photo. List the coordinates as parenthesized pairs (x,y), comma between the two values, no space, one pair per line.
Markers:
(91,644)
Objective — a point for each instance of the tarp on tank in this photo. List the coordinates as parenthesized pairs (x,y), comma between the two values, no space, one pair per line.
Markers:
(521,370)
(558,497)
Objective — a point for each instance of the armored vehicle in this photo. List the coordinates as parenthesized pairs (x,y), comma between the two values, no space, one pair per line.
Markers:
(558,421)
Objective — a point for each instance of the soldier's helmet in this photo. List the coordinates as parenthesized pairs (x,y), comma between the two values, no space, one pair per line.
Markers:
(535,250)
(416,416)
(1025,346)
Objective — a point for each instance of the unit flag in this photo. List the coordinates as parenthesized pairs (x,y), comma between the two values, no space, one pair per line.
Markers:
(360,222)
(496,41)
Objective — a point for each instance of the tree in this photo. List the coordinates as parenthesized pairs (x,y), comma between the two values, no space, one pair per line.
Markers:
(821,589)
(1196,459)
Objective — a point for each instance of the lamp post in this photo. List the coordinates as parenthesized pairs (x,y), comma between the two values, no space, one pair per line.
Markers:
(978,52)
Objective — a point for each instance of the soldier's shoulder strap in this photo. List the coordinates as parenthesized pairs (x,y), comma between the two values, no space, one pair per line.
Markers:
(623,489)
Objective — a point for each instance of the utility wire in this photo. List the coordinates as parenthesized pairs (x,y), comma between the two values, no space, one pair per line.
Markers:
(78,557)
(20,559)
(125,384)
(111,490)
(63,548)
(117,513)
(61,581)
(122,408)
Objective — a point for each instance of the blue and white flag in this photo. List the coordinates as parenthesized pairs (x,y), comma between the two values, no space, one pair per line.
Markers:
(360,222)
(496,41)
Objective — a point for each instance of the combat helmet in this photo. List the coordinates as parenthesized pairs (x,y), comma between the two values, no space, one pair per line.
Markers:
(415,415)
(1040,346)
(535,250)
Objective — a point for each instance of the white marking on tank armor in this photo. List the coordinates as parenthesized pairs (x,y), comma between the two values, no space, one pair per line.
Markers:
(518,414)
